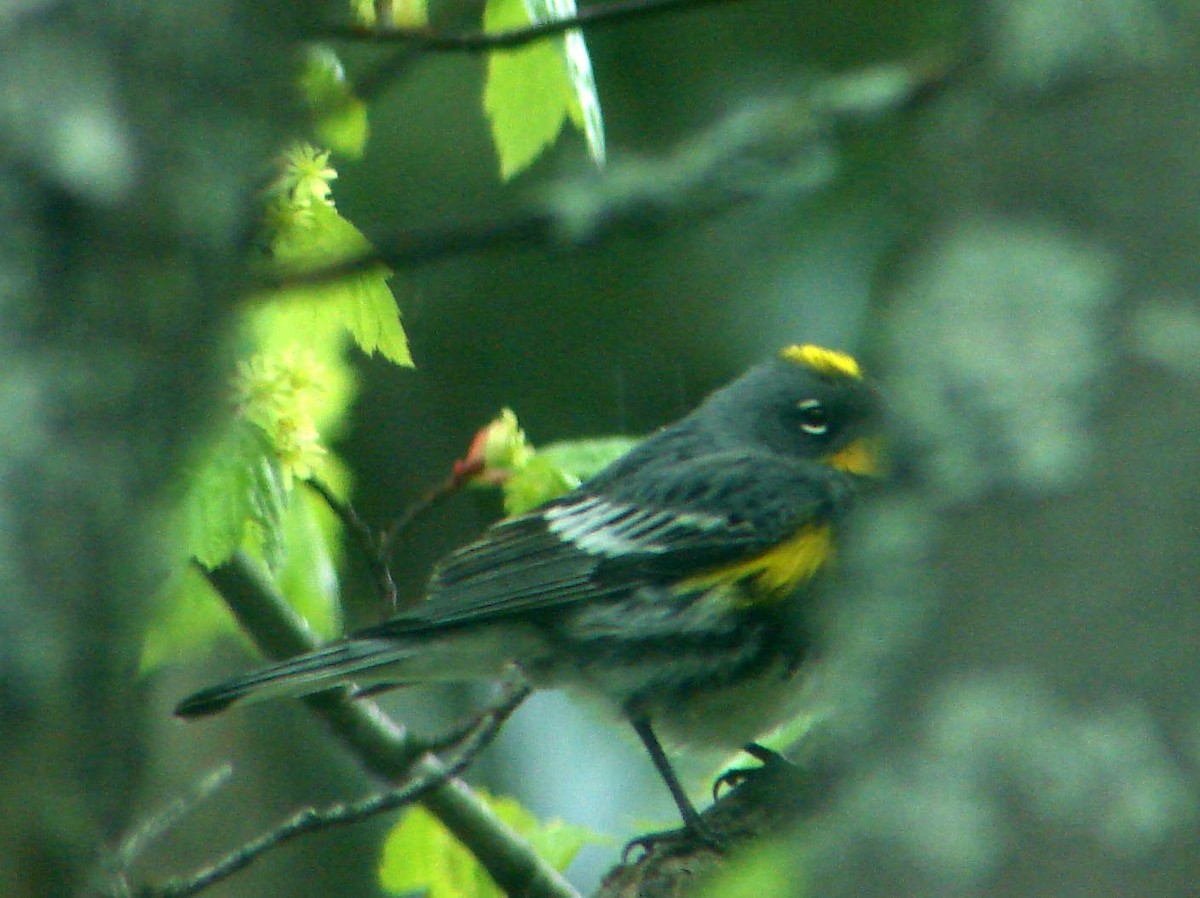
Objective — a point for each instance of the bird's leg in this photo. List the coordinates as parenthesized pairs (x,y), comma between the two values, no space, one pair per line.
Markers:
(693,825)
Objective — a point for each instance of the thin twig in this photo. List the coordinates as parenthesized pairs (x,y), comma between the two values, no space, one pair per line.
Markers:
(461,474)
(310,820)
(428,39)
(372,545)
(112,877)
(380,744)
(780,146)
(136,843)
(487,723)
(414,41)
(303,821)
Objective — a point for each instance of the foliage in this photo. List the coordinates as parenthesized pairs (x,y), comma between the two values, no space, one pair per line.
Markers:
(316,293)
(768,868)
(339,117)
(289,394)
(558,467)
(502,454)
(534,91)
(421,856)
(293,384)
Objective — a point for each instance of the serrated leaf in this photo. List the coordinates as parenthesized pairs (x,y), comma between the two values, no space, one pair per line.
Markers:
(584,106)
(360,301)
(218,500)
(420,854)
(189,615)
(527,94)
(369,311)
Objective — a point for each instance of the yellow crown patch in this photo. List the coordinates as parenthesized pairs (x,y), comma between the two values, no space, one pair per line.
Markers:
(828,362)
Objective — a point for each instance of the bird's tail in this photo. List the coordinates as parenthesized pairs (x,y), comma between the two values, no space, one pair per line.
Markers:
(305,674)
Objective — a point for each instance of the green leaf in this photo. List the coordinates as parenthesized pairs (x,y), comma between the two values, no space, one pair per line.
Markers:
(220,497)
(214,517)
(587,458)
(768,868)
(528,93)
(302,544)
(584,106)
(187,618)
(339,117)
(235,498)
(553,470)
(420,854)
(536,482)
(268,504)
(307,575)
(360,301)
(368,310)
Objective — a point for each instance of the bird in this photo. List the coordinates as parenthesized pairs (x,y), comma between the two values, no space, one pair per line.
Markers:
(676,586)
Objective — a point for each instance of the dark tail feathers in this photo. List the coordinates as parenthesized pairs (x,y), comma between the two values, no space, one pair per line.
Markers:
(302,675)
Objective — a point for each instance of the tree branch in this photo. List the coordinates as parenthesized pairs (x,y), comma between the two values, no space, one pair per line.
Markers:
(372,546)
(430,40)
(309,820)
(771,148)
(382,747)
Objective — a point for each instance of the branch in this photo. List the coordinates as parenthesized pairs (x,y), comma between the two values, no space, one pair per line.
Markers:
(430,40)
(377,547)
(769,149)
(372,546)
(306,820)
(382,747)
(766,802)
(309,820)
(461,474)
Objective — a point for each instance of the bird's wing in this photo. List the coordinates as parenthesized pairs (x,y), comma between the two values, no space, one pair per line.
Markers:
(667,524)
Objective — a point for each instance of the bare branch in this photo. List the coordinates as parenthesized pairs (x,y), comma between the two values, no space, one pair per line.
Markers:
(772,148)
(382,746)
(372,545)
(460,475)
(308,820)
(430,40)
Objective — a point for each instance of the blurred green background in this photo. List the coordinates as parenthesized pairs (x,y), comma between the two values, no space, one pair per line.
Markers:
(619,337)
(1012,649)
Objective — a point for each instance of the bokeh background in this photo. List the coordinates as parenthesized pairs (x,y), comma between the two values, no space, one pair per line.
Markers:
(1016,255)
(619,337)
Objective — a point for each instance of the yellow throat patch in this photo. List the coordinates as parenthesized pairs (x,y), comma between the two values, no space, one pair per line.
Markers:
(863,456)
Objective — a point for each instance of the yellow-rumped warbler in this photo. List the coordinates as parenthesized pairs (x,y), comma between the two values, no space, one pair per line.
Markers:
(673,584)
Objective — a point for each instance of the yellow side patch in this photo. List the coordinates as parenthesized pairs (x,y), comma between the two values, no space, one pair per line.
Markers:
(777,571)
(828,362)
(861,456)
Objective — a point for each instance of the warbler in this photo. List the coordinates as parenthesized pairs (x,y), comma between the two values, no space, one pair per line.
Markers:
(673,585)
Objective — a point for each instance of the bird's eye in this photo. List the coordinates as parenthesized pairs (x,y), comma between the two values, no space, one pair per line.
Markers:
(814,419)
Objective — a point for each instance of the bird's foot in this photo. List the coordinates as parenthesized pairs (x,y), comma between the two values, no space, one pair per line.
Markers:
(735,776)
(696,834)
